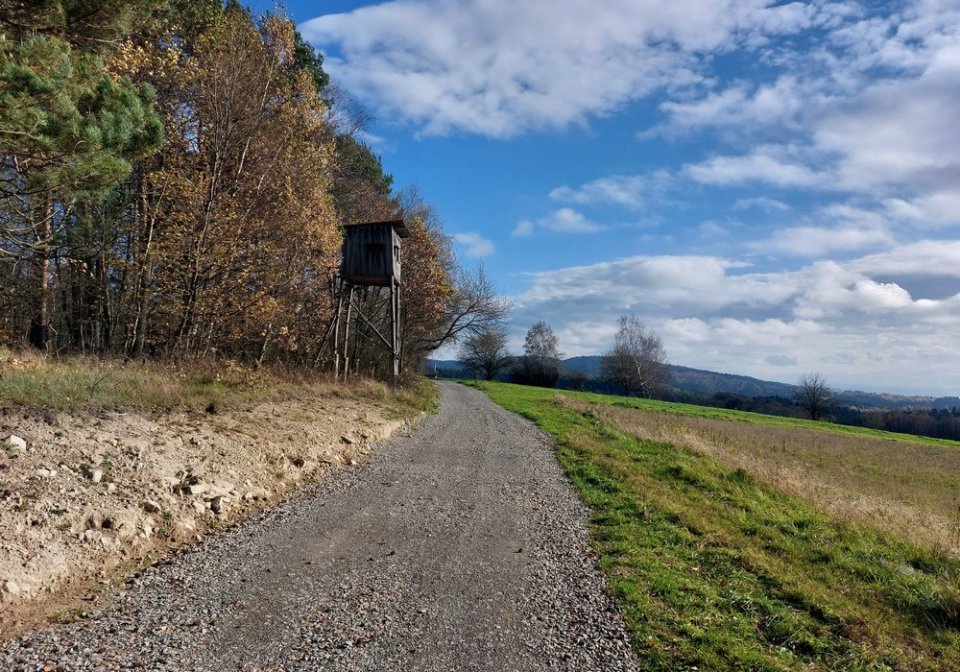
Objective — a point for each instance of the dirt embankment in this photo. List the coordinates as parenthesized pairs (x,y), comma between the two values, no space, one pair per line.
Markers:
(91,496)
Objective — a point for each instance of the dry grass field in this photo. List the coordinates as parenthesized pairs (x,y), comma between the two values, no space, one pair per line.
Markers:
(904,488)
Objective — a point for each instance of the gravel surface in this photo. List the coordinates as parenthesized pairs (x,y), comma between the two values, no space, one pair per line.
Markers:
(461,547)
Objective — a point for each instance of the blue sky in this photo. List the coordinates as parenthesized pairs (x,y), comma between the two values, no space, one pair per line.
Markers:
(773,187)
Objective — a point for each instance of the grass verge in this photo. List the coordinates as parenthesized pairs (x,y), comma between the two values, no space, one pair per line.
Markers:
(86,383)
(718,571)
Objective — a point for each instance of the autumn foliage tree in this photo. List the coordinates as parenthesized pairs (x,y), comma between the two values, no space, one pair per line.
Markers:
(252,226)
(175,176)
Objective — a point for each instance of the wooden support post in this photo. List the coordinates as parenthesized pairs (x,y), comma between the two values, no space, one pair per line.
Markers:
(336,333)
(346,334)
(395,330)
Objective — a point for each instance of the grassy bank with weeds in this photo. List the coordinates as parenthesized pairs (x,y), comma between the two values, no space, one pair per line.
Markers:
(86,383)
(716,569)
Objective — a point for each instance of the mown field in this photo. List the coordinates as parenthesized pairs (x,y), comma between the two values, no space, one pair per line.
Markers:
(741,542)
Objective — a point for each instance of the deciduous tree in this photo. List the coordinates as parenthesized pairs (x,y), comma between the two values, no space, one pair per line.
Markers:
(251,229)
(813,395)
(485,352)
(637,361)
(540,363)
(442,302)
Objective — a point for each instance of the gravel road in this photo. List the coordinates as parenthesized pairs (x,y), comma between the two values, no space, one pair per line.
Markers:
(460,547)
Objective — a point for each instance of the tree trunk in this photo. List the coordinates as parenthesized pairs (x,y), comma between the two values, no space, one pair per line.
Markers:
(40,324)
(145,275)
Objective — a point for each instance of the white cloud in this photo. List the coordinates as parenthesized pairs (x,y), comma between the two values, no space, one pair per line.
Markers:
(564,220)
(626,191)
(500,69)
(474,244)
(922,258)
(523,228)
(696,284)
(840,227)
(817,241)
(764,203)
(715,313)
(747,107)
(899,133)
(713,230)
(871,111)
(766,164)
(934,210)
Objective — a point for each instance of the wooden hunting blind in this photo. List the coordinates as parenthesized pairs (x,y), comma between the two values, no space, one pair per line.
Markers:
(371,258)
(371,253)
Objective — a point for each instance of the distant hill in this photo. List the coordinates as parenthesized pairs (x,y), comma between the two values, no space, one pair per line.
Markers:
(709,383)
(696,380)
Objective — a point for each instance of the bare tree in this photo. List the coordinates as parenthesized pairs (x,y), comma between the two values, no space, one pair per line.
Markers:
(813,395)
(485,351)
(469,307)
(540,363)
(637,362)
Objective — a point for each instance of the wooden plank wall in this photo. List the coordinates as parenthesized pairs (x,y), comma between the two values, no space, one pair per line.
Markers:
(369,255)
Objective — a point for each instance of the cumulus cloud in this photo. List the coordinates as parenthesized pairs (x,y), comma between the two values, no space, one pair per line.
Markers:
(690,284)
(935,210)
(840,228)
(747,107)
(872,111)
(923,258)
(722,314)
(474,244)
(500,69)
(899,133)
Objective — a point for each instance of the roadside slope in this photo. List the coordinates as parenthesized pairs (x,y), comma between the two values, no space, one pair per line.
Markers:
(460,547)
(97,493)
